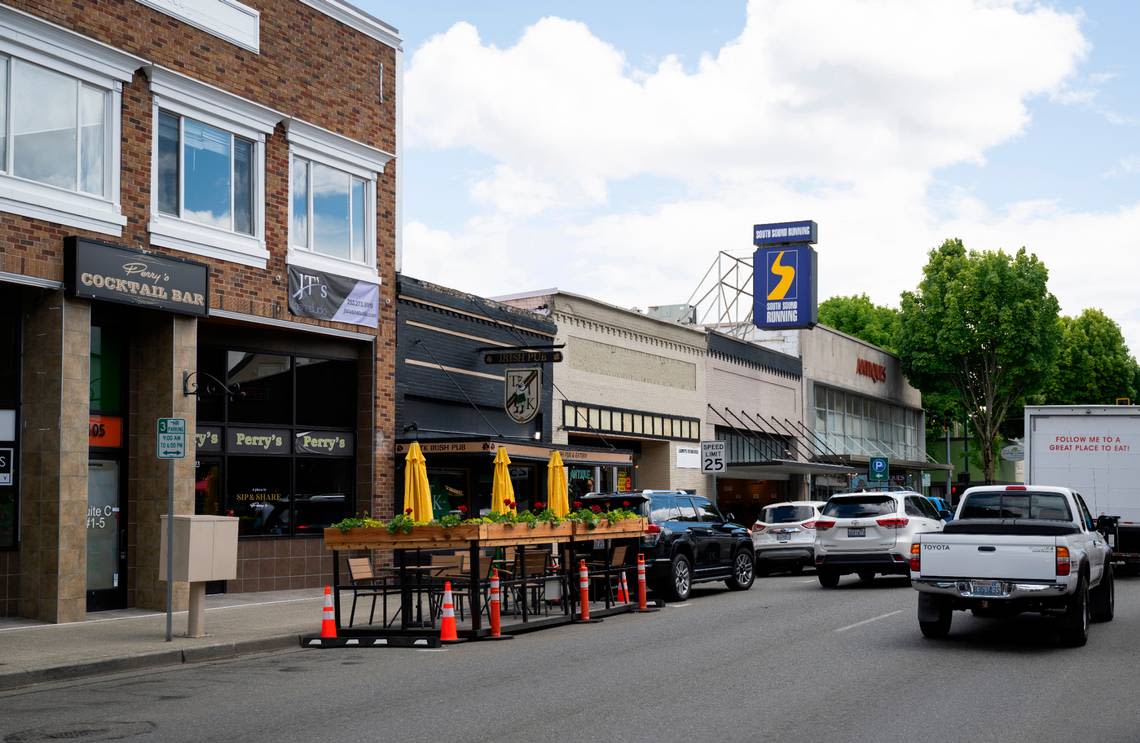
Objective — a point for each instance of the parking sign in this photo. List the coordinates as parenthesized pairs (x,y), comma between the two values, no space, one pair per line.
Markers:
(878,469)
(712,457)
(171,442)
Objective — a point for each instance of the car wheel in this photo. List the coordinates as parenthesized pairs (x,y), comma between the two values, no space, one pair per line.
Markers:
(681,574)
(742,571)
(1075,621)
(939,627)
(827,579)
(866,575)
(1103,597)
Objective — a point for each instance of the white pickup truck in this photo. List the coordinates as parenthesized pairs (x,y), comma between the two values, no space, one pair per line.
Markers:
(1012,549)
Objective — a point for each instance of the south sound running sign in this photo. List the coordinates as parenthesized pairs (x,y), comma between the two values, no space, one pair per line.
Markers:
(784,275)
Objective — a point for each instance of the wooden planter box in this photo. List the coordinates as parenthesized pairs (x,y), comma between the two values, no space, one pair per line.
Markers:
(437,537)
(604,530)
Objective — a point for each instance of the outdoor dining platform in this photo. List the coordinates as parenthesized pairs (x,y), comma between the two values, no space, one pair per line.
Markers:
(538,570)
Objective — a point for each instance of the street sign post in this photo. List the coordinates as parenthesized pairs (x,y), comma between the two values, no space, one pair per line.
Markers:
(170,445)
(712,462)
(878,470)
(712,457)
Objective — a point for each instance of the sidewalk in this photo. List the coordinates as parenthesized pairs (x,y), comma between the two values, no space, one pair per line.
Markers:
(33,652)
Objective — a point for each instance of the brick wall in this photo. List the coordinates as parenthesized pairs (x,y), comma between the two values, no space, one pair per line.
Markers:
(309,67)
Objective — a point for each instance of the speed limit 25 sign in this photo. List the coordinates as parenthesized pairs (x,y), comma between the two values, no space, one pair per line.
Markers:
(712,457)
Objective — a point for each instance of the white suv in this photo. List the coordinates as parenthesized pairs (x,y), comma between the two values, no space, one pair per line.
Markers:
(784,536)
(870,533)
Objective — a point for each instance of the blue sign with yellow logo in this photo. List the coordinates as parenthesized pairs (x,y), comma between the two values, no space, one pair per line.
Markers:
(784,288)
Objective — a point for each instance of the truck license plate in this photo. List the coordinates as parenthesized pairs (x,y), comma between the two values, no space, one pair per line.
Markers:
(856,531)
(987,588)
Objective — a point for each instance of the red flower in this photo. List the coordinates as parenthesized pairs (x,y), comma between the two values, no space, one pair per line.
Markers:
(596,509)
(408,511)
(462,508)
(625,503)
(577,504)
(539,505)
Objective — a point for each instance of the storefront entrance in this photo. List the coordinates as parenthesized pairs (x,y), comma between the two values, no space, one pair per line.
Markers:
(106,537)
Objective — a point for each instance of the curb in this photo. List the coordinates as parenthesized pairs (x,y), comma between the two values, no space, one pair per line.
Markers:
(20,679)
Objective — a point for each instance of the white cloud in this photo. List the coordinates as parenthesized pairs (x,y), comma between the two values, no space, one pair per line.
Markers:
(863,101)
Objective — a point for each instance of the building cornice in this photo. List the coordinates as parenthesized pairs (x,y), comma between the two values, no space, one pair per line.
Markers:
(358,20)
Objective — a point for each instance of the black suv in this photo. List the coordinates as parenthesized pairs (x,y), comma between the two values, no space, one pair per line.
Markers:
(688,541)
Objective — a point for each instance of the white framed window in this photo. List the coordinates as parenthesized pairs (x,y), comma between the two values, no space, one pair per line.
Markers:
(60,124)
(208,174)
(332,201)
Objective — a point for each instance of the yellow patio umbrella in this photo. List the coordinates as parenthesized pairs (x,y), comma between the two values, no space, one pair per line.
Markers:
(557,499)
(417,491)
(502,490)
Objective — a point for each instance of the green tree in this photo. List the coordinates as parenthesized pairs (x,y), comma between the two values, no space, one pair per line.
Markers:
(858,316)
(1093,365)
(982,325)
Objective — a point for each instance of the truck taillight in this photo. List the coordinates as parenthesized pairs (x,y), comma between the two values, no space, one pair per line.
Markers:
(1063,565)
(915,557)
(653,529)
(893,522)
(822,525)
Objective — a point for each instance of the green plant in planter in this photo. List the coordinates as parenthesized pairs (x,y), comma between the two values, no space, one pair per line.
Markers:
(590,516)
(401,522)
(547,516)
(357,522)
(528,518)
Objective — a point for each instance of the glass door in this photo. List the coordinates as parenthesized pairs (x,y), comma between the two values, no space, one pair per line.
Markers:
(106,537)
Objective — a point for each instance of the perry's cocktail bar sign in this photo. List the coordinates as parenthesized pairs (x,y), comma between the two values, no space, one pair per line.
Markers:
(98,270)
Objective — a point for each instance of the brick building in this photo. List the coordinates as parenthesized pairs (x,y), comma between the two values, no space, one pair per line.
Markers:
(198,219)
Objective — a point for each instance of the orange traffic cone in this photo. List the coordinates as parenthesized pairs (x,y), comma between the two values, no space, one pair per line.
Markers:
(496,617)
(623,590)
(328,618)
(447,631)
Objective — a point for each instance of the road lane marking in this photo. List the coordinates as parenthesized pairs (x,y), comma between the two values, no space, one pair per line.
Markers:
(430,650)
(868,621)
(678,606)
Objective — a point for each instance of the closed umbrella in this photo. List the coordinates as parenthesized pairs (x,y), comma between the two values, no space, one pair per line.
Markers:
(502,490)
(557,499)
(417,491)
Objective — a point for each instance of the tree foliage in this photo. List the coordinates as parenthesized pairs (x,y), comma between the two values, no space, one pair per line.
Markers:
(983,326)
(1094,366)
(857,315)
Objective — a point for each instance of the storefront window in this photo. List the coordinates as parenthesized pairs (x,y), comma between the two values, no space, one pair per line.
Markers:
(323,488)
(257,492)
(106,370)
(581,481)
(266,384)
(332,386)
(448,490)
(855,425)
(278,450)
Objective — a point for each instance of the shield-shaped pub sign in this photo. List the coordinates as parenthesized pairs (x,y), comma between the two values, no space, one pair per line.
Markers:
(522,389)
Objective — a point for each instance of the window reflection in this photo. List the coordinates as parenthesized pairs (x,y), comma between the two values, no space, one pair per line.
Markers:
(266,387)
(44,134)
(206,159)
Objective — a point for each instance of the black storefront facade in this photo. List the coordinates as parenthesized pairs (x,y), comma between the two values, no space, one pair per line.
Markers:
(462,409)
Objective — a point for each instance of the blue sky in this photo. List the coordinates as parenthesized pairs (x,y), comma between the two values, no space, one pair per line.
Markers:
(615,155)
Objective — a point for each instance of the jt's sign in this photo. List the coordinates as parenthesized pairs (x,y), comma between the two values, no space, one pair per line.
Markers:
(98,270)
(876,372)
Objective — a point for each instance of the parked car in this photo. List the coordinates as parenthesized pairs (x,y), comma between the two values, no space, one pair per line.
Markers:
(688,541)
(945,510)
(1013,549)
(870,533)
(784,536)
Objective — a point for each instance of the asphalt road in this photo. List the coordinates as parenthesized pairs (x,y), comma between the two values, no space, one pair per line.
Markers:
(786,661)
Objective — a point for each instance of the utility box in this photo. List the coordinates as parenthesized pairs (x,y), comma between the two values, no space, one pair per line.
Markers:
(205,548)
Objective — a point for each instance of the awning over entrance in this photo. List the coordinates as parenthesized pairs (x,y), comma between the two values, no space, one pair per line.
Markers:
(521,451)
(860,462)
(764,470)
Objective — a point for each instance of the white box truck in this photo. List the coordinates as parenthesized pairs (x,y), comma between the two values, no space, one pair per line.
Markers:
(1095,450)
